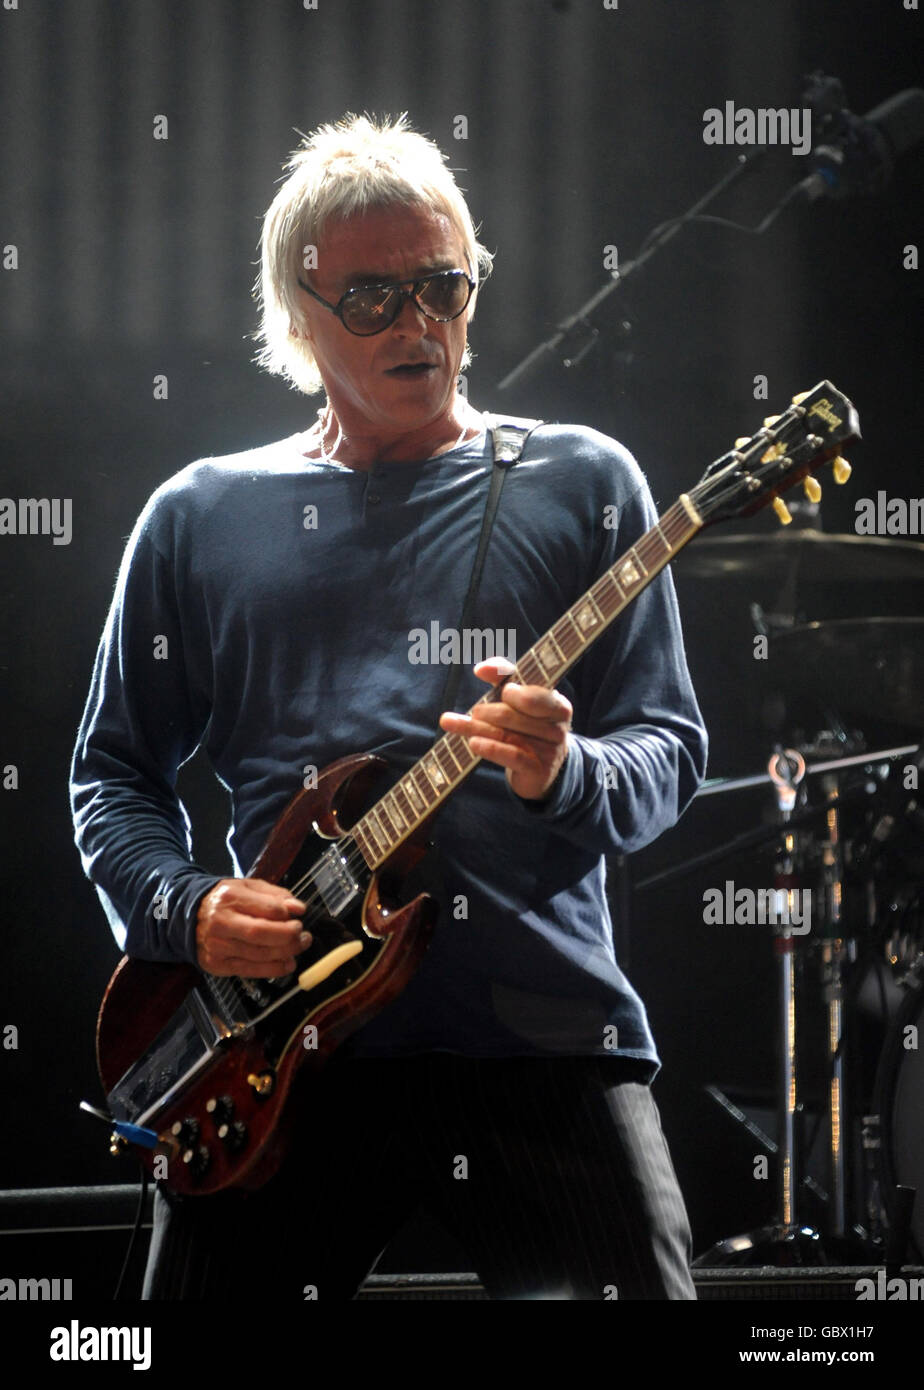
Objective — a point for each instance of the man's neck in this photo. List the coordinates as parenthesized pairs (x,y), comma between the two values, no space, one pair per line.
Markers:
(359,449)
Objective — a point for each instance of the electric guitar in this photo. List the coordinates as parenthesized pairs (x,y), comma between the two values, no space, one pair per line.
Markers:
(197,1068)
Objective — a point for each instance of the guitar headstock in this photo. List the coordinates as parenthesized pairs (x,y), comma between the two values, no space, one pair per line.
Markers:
(786,451)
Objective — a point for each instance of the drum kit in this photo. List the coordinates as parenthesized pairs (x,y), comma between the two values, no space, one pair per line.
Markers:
(847,826)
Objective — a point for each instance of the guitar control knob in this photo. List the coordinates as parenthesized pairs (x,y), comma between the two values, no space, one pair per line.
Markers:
(221,1109)
(187,1131)
(233,1136)
(262,1082)
(197,1160)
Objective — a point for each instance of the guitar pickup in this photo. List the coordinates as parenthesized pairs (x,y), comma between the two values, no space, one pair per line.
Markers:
(334,882)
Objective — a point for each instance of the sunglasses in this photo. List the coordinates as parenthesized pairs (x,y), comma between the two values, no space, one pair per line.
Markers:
(373,308)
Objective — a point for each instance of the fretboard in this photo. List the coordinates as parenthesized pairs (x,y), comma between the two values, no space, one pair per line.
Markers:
(437,774)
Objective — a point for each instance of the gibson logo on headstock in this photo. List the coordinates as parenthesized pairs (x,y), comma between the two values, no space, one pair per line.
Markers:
(823,408)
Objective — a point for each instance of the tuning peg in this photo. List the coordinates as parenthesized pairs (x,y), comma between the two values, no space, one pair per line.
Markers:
(782,511)
(771,419)
(742,440)
(798,399)
(812,489)
(842,470)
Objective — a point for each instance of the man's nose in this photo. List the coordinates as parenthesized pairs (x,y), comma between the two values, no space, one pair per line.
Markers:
(411,319)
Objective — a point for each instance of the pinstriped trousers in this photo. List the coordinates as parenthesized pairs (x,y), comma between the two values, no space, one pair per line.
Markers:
(553,1173)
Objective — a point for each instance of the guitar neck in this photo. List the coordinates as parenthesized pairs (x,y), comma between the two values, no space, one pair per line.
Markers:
(435,776)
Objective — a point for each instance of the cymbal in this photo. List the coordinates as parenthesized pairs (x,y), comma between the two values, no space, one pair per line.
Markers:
(814,555)
(869,667)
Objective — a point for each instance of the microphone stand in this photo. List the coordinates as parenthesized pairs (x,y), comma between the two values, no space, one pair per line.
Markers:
(564,342)
(856,156)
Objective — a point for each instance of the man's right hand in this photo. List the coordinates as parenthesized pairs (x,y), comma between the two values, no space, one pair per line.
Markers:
(245,927)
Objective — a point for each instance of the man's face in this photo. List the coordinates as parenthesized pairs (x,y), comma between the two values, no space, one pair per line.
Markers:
(386,245)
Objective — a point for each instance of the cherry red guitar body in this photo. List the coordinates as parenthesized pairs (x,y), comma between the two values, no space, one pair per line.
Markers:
(207,1064)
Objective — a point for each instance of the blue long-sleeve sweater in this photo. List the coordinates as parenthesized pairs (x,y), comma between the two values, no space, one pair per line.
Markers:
(266,608)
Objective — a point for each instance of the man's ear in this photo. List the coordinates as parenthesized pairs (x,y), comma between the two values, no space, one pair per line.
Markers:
(295,331)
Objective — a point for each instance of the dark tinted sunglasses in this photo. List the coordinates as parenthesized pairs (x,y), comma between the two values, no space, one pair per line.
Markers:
(373,308)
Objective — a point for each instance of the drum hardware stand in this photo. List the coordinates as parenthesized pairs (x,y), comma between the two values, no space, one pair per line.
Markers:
(900,1231)
(713,786)
(896,1200)
(787,770)
(785,1242)
(769,1145)
(872,1235)
(872,1148)
(788,1238)
(836,952)
(888,1213)
(847,1240)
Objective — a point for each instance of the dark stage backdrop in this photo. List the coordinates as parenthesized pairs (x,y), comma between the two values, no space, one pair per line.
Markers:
(128,257)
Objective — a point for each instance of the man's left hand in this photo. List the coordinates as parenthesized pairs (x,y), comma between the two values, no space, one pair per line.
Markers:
(525,731)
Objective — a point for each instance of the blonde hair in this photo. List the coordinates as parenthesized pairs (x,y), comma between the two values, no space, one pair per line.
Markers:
(337,171)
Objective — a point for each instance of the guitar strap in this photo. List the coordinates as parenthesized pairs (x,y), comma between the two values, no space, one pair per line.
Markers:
(508,436)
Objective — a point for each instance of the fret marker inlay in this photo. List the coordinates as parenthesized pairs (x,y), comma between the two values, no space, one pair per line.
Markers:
(435,772)
(548,656)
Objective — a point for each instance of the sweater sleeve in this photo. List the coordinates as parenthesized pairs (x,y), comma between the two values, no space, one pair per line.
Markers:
(141,723)
(637,752)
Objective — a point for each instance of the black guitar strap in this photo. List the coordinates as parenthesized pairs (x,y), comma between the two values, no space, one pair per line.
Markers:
(508,435)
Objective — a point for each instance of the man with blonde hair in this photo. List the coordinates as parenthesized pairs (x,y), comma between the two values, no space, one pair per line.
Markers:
(506,1090)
